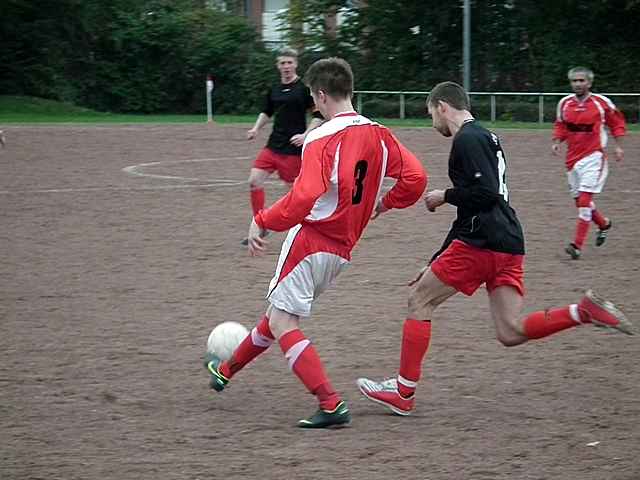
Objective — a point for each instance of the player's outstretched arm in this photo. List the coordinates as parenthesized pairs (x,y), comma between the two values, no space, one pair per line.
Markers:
(261,121)
(411,176)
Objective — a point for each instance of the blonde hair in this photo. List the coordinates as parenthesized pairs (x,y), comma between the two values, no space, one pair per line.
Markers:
(288,52)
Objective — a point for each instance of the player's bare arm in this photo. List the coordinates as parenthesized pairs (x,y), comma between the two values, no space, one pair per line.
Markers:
(618,151)
(298,139)
(256,242)
(261,121)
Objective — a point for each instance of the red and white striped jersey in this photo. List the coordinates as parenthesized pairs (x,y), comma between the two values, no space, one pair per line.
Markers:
(344,162)
(582,125)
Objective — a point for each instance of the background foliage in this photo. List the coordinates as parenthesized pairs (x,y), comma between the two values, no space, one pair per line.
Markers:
(153,55)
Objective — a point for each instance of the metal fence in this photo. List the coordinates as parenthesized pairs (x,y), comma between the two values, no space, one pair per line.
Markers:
(402,100)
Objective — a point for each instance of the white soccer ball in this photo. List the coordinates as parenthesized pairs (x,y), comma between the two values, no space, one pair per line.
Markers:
(225,338)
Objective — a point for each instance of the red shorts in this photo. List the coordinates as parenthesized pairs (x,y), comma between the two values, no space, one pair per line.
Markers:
(465,268)
(287,166)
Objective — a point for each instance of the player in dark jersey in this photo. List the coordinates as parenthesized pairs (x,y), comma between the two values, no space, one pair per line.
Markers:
(485,246)
(287,103)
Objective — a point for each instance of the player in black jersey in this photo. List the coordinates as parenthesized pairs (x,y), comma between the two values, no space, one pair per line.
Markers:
(287,103)
(484,246)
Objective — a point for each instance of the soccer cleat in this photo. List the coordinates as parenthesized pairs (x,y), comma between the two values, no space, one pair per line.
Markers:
(386,393)
(603,313)
(338,417)
(218,380)
(601,236)
(573,251)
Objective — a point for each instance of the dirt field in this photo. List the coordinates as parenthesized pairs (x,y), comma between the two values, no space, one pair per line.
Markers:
(120,252)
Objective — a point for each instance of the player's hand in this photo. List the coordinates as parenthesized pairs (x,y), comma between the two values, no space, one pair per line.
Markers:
(619,154)
(297,139)
(2,140)
(434,199)
(256,243)
(420,275)
(555,148)
(251,134)
(380,209)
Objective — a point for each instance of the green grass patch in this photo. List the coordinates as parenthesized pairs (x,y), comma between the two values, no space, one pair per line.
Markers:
(31,110)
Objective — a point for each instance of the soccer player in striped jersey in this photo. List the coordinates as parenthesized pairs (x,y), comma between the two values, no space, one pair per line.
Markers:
(484,246)
(344,162)
(582,120)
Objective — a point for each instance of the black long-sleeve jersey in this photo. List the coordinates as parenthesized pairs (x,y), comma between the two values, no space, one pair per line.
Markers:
(477,169)
(288,104)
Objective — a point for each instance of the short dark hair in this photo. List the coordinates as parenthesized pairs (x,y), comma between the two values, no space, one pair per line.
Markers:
(331,75)
(451,93)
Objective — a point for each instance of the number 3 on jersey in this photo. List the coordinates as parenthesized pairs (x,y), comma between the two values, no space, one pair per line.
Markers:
(359,173)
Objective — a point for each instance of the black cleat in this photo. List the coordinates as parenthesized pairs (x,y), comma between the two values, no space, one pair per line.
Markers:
(573,251)
(338,417)
(601,236)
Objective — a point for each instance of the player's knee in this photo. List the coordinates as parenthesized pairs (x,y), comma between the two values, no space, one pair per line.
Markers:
(509,335)
(584,213)
(280,323)
(255,183)
(420,306)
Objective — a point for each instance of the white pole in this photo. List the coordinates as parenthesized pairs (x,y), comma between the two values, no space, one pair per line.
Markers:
(209,102)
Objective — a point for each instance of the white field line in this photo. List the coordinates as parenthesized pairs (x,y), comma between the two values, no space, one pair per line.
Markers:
(138,170)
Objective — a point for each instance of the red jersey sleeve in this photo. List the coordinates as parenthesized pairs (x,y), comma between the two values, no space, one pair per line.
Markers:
(310,184)
(614,119)
(409,172)
(560,131)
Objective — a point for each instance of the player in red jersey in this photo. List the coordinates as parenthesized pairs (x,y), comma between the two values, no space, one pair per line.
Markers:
(288,103)
(582,120)
(485,246)
(344,162)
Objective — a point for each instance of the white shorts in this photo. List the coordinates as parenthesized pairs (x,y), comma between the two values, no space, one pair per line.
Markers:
(588,174)
(302,274)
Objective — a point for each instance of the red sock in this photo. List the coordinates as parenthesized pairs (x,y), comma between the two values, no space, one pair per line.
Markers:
(258,341)
(306,364)
(257,199)
(582,228)
(600,220)
(416,335)
(544,323)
